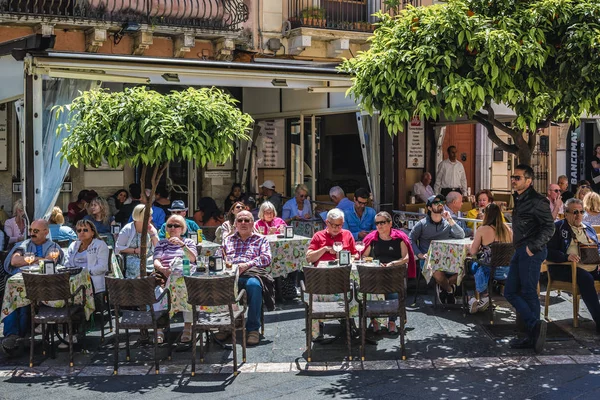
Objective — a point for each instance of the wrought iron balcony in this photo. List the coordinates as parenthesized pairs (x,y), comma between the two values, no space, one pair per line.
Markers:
(226,15)
(346,15)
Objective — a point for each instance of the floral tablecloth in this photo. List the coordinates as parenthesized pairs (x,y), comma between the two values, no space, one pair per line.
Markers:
(288,255)
(179,299)
(307,227)
(447,255)
(16,297)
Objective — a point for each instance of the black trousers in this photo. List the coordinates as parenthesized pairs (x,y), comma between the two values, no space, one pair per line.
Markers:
(585,281)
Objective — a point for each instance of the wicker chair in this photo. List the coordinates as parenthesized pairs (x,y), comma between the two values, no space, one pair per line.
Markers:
(377,280)
(102,303)
(137,293)
(326,281)
(571,287)
(41,288)
(212,291)
(502,253)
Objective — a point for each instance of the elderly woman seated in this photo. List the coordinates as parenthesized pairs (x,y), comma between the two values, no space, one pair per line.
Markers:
(130,239)
(89,252)
(167,251)
(298,207)
(268,222)
(564,247)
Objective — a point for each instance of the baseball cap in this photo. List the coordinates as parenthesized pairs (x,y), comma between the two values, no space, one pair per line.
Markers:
(268,185)
(435,198)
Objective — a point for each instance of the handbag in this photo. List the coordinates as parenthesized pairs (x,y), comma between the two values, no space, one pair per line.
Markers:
(588,253)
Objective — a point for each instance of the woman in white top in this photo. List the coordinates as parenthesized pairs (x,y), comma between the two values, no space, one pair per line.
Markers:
(591,205)
(90,252)
(297,208)
(129,240)
(15,227)
(228,228)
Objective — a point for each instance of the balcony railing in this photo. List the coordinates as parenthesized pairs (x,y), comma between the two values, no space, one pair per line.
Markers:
(346,15)
(224,15)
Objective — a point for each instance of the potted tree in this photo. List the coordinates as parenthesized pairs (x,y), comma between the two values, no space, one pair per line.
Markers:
(148,129)
(313,16)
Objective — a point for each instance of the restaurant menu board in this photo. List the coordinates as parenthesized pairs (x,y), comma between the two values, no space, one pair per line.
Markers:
(415,144)
(271,144)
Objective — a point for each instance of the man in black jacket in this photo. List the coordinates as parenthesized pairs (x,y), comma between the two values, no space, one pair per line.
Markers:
(533,226)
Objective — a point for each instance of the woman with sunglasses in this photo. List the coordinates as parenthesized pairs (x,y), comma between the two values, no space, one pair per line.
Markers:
(298,207)
(268,222)
(228,227)
(166,251)
(89,252)
(492,230)
(129,241)
(391,247)
(99,215)
(582,191)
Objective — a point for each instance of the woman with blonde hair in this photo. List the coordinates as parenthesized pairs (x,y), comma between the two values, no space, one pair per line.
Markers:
(591,205)
(492,230)
(582,191)
(15,227)
(129,241)
(99,215)
(57,228)
(298,207)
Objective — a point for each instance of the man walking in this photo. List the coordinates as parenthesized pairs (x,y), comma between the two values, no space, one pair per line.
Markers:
(533,226)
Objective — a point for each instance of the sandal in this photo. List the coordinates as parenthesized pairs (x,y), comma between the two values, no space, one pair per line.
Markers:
(186,336)
(392,328)
(160,336)
(375,325)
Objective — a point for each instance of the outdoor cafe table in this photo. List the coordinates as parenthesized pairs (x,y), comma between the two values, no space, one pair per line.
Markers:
(179,298)
(16,297)
(307,227)
(448,256)
(287,255)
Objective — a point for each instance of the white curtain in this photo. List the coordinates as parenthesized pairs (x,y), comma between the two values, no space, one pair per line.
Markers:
(368,129)
(56,92)
(19,110)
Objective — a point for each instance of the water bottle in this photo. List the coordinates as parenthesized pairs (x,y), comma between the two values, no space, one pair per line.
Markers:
(186,264)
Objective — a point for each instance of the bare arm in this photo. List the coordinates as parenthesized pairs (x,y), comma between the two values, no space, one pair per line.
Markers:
(312,256)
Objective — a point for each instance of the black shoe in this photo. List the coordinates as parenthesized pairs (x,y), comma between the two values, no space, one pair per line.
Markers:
(450,298)
(539,336)
(457,290)
(523,343)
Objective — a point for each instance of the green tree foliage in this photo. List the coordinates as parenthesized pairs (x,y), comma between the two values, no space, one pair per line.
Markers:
(145,128)
(540,58)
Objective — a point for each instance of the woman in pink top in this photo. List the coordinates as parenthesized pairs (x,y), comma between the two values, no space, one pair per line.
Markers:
(268,223)
(15,227)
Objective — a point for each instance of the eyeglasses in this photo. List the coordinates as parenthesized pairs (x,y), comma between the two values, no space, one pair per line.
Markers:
(516,177)
(244,220)
(381,222)
(585,186)
(362,203)
(173,226)
(86,230)
(576,212)
(302,196)
(34,231)
(334,225)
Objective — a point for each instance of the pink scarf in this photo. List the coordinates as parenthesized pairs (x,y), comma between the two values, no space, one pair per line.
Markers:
(396,234)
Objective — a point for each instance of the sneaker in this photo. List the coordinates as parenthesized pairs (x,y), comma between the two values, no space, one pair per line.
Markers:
(473,305)
(441,294)
(483,303)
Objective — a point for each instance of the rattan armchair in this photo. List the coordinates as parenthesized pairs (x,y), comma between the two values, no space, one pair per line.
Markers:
(381,280)
(502,253)
(42,288)
(137,293)
(213,291)
(326,281)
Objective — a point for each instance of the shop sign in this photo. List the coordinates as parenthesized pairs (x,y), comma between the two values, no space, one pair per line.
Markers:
(574,157)
(271,144)
(415,144)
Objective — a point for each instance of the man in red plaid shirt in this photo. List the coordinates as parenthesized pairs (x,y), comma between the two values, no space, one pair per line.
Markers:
(246,250)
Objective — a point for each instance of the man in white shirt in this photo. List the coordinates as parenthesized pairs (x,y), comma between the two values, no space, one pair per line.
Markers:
(556,203)
(451,176)
(422,190)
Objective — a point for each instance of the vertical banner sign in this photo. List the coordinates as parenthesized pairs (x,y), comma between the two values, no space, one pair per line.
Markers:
(3,138)
(574,158)
(415,144)
(271,144)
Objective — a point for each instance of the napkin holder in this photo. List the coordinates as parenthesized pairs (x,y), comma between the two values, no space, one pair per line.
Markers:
(289,232)
(47,267)
(345,257)
(215,264)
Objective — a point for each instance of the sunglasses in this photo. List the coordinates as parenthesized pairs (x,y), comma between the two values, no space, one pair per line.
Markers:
(302,196)
(173,226)
(585,186)
(516,177)
(555,190)
(438,203)
(362,203)
(86,230)
(381,222)
(239,207)
(244,220)
(576,212)
(34,231)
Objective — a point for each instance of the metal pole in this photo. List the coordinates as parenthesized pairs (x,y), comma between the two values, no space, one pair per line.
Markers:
(301,148)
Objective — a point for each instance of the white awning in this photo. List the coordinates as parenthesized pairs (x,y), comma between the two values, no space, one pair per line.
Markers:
(11,79)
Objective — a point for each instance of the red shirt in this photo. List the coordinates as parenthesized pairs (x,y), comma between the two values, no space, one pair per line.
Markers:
(323,238)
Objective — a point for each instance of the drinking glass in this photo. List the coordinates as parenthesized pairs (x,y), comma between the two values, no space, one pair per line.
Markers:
(360,247)
(29,258)
(54,254)
(337,247)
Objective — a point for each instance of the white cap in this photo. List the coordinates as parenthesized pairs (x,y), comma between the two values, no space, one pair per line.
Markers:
(268,185)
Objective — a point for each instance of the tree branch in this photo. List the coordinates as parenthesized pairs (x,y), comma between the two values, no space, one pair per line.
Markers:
(483,120)
(491,117)
(546,122)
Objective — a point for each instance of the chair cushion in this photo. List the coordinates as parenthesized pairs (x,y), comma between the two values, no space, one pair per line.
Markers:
(328,309)
(381,307)
(141,319)
(207,320)
(48,314)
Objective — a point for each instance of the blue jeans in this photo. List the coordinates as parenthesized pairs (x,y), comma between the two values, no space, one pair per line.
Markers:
(481,273)
(254,291)
(17,322)
(521,284)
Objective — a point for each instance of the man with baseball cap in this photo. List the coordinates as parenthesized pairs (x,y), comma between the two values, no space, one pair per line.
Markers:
(269,194)
(178,207)
(437,225)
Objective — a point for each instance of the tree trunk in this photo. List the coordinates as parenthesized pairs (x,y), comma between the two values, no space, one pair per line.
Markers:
(156,175)
(524,155)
